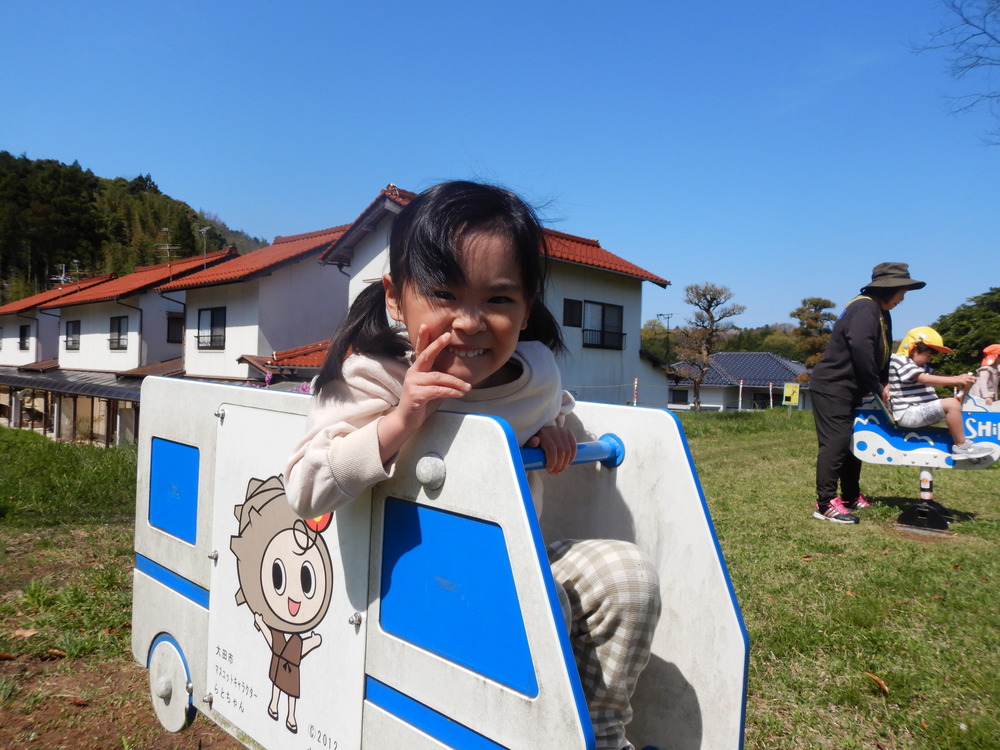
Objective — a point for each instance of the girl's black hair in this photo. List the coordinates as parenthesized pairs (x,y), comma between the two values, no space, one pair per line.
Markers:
(424,247)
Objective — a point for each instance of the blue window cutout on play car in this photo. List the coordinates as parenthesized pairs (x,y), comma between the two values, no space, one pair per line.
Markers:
(173,488)
(447,587)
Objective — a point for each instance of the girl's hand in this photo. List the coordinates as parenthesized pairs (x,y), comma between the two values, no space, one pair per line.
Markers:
(965,379)
(423,390)
(559,446)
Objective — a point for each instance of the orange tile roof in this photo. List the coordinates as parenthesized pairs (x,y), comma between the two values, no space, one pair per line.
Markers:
(284,251)
(586,252)
(308,356)
(562,246)
(52,294)
(142,279)
(371,215)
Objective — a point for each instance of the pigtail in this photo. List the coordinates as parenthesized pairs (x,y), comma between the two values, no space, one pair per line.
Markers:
(542,326)
(365,330)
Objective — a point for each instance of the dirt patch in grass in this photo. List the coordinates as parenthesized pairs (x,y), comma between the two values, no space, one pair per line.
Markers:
(99,700)
(86,703)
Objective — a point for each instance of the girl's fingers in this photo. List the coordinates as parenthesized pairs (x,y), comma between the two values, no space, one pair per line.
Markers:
(421,389)
(427,350)
(423,338)
(433,378)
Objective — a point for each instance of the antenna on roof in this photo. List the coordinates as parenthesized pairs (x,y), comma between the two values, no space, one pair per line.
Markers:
(62,277)
(167,247)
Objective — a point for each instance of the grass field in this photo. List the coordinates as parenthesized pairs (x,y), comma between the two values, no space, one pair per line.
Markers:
(861,636)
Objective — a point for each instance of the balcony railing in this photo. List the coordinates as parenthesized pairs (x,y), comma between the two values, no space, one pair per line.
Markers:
(595,339)
(118,342)
(211,340)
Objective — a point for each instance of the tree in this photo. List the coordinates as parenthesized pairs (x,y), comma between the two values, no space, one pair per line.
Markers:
(967,330)
(813,331)
(700,338)
(55,216)
(972,35)
(776,338)
(782,341)
(654,338)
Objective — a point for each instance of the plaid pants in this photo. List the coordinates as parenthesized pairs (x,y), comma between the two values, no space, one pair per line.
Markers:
(613,596)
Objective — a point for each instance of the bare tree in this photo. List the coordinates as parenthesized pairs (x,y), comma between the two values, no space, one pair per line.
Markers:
(699,339)
(972,36)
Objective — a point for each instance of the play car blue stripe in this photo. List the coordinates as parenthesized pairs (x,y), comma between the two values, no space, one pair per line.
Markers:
(426,719)
(184,587)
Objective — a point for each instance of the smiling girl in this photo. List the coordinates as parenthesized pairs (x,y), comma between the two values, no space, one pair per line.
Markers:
(465,284)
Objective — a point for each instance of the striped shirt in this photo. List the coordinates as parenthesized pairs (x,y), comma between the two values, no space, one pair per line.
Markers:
(904,388)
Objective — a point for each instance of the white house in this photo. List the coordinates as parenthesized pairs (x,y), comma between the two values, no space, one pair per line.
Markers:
(593,293)
(272,299)
(28,334)
(597,297)
(107,328)
(123,324)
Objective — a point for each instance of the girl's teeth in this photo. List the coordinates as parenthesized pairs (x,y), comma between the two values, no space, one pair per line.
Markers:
(466,353)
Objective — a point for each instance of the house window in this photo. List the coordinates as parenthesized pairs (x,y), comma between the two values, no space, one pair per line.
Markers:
(602,326)
(1,337)
(24,337)
(212,328)
(678,396)
(175,328)
(72,335)
(119,332)
(572,313)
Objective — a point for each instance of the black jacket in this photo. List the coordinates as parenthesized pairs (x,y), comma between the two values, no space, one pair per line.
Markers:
(856,361)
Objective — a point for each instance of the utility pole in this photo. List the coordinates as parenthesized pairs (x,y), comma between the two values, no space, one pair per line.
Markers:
(204,252)
(666,346)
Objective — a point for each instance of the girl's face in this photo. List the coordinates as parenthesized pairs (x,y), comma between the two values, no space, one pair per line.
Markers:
(484,315)
(923,358)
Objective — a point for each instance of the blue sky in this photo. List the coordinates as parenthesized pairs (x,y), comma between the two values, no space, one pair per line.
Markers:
(778,148)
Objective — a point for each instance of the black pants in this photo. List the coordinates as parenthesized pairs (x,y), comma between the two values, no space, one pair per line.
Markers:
(835,463)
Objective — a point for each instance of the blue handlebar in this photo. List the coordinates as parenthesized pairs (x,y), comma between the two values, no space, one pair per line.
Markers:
(608,449)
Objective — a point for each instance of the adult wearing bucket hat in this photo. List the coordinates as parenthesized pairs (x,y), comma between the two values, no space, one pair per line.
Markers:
(855,364)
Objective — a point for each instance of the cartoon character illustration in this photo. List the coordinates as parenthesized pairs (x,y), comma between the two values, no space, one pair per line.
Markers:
(286,580)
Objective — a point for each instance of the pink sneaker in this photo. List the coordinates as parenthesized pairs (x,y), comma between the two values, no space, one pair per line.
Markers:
(836,512)
(860,503)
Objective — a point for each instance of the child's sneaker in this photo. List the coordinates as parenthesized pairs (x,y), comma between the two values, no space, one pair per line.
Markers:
(969,449)
(860,503)
(836,512)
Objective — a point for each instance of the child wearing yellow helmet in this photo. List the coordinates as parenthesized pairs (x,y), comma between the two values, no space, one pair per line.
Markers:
(985,387)
(914,401)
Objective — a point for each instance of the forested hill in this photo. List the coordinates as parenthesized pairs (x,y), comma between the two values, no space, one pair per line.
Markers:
(60,219)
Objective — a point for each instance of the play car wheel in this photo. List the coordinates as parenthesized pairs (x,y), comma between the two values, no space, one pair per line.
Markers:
(170,685)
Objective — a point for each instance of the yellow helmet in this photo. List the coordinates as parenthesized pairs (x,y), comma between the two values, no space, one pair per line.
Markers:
(922,335)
